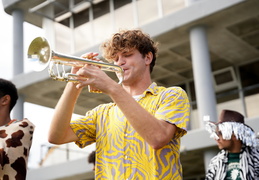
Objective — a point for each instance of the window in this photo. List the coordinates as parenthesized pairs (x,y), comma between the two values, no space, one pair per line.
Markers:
(224,79)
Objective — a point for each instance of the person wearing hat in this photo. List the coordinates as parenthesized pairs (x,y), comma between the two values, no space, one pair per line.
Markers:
(239,155)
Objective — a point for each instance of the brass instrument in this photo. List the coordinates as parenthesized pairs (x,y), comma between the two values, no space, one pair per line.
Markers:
(41,56)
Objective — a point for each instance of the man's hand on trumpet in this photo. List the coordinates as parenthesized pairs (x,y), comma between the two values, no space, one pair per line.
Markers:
(92,76)
(91,56)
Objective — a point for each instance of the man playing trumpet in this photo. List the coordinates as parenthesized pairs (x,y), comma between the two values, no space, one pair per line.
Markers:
(137,135)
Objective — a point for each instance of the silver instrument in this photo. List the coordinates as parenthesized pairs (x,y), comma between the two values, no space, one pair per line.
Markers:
(41,56)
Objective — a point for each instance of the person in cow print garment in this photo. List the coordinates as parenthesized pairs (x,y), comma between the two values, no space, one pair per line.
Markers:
(15,136)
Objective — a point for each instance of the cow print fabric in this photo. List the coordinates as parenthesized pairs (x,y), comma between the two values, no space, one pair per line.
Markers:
(15,144)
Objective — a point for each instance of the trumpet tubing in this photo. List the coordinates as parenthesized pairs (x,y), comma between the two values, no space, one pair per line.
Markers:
(42,56)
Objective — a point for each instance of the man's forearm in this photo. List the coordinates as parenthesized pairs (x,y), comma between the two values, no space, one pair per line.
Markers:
(60,131)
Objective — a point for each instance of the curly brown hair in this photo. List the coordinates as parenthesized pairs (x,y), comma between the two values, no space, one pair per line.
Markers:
(125,41)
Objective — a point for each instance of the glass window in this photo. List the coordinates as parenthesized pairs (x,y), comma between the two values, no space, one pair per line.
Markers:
(124,17)
(83,34)
(102,24)
(193,95)
(63,39)
(250,85)
(227,95)
(147,11)
(170,6)
(250,78)
(83,37)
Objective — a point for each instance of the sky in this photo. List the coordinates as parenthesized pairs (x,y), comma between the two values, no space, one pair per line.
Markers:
(38,115)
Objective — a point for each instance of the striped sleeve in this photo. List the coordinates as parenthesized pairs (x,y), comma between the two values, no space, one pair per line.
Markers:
(175,109)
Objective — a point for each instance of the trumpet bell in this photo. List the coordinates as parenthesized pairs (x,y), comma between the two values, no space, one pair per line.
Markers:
(42,56)
(39,54)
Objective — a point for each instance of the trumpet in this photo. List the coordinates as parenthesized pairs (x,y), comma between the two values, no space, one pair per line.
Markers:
(41,56)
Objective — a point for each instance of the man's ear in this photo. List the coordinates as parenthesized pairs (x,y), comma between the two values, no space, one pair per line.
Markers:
(5,100)
(149,58)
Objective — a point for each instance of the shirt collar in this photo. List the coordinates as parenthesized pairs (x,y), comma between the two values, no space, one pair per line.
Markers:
(153,89)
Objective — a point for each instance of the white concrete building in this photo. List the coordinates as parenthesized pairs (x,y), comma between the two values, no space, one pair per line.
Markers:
(208,47)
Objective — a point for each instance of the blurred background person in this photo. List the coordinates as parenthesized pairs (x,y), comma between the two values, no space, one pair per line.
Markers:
(239,155)
(91,159)
(15,136)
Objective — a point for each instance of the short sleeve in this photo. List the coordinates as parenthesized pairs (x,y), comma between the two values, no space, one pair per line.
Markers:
(175,109)
(85,128)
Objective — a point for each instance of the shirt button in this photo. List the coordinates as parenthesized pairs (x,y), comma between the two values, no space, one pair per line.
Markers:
(126,157)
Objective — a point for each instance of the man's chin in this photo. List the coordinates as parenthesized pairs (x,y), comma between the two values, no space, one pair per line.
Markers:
(220,147)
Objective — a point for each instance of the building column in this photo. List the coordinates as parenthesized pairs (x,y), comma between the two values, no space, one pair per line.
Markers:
(48,25)
(18,17)
(204,88)
(17,41)
(205,94)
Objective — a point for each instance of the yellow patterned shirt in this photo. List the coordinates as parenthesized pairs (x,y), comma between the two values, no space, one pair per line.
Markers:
(121,153)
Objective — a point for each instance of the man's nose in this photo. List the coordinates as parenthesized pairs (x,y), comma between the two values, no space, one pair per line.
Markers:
(120,61)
